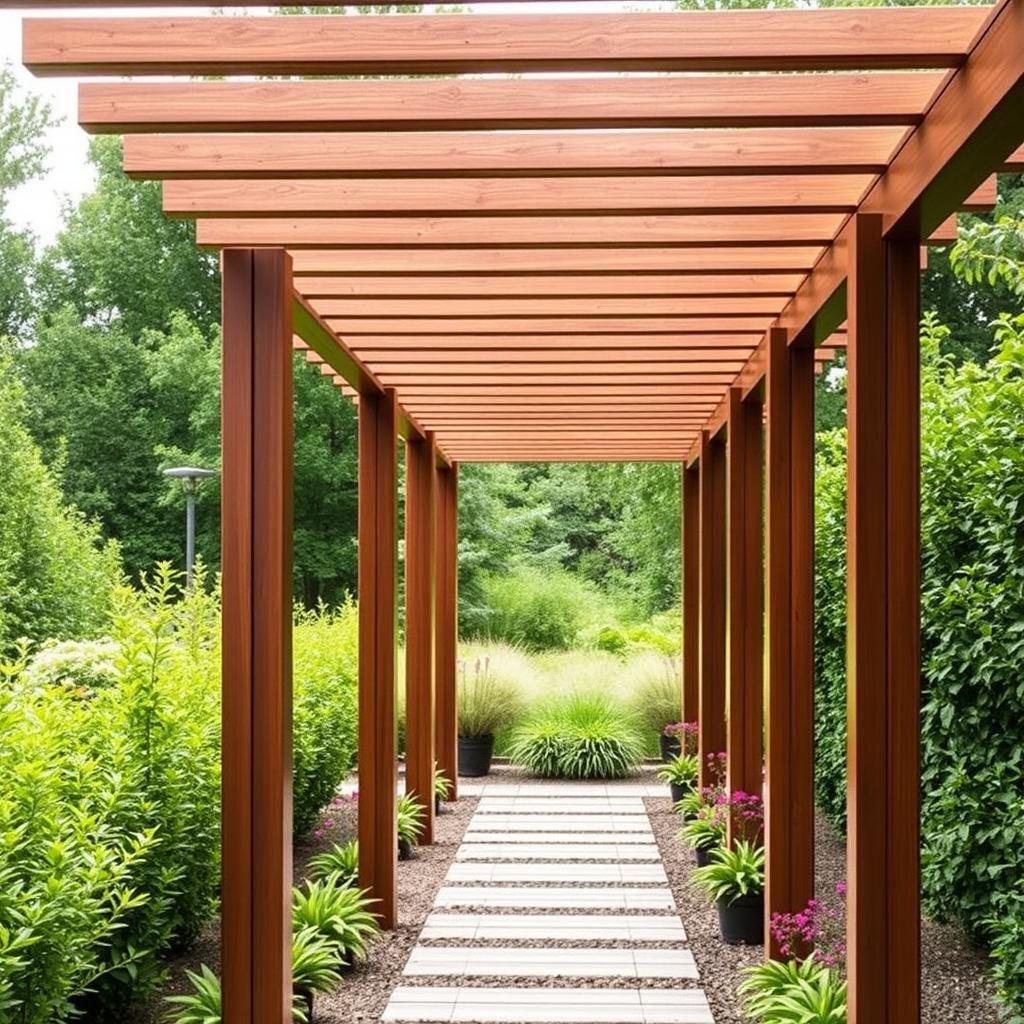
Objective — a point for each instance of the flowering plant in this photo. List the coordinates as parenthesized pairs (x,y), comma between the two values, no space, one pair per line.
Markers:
(685,732)
(818,932)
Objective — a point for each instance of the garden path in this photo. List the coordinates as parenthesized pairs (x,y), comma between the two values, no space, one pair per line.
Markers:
(556,910)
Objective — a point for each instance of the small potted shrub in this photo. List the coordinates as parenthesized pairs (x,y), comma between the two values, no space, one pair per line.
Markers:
(442,789)
(704,833)
(486,705)
(734,881)
(690,805)
(410,825)
(681,775)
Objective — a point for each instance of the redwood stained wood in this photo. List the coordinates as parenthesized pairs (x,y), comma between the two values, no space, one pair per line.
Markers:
(666,286)
(588,455)
(752,40)
(1015,162)
(698,101)
(256,499)
(462,262)
(446,644)
(531,308)
(728,346)
(770,229)
(566,366)
(745,603)
(502,380)
(353,327)
(789,629)
(420,624)
(845,150)
(712,736)
(883,671)
(603,390)
(691,593)
(596,195)
(378,558)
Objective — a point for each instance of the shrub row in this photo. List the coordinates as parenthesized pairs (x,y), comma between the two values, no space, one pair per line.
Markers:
(109,794)
(972,457)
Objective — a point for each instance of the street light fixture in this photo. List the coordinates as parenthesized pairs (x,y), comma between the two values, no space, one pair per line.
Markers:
(190,476)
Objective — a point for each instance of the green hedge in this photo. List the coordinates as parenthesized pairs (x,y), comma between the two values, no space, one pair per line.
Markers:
(972,458)
(110,801)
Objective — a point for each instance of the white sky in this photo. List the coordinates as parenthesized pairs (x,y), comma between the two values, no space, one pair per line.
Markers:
(69,176)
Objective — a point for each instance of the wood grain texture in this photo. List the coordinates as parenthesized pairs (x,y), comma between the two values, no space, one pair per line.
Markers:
(844,150)
(256,655)
(696,101)
(420,624)
(755,40)
(681,326)
(446,643)
(594,306)
(725,345)
(691,592)
(542,359)
(378,638)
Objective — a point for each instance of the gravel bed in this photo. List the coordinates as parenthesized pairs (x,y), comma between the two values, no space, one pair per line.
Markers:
(719,965)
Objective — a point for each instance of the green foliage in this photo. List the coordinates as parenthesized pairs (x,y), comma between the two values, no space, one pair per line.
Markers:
(655,690)
(82,665)
(442,784)
(682,770)
(488,698)
(732,874)
(705,829)
(992,253)
(410,819)
(340,861)
(339,913)
(315,961)
(583,736)
(1005,929)
(203,1004)
(792,993)
(325,656)
(56,577)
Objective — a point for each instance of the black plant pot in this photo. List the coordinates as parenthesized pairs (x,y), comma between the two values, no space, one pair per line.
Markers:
(475,753)
(437,803)
(404,849)
(703,854)
(306,998)
(742,922)
(679,791)
(670,747)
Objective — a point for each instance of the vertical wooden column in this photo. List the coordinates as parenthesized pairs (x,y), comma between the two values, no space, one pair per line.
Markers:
(447,642)
(745,604)
(712,602)
(420,625)
(378,561)
(789,621)
(691,592)
(256,525)
(883,658)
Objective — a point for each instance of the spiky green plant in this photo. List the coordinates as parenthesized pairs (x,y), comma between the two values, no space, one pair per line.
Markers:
(794,993)
(341,860)
(705,831)
(733,873)
(539,747)
(681,771)
(691,804)
(201,1006)
(315,961)
(410,819)
(339,912)
(486,701)
(442,784)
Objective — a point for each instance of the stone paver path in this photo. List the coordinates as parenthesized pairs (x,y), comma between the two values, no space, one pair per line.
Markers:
(556,910)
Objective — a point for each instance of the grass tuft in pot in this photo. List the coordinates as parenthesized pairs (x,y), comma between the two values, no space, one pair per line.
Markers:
(681,775)
(410,824)
(734,880)
(487,703)
(704,833)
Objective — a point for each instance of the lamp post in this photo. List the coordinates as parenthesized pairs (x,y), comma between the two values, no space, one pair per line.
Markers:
(189,477)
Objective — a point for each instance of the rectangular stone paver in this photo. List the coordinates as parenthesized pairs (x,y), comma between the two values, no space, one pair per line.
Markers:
(549,927)
(550,962)
(548,1005)
(540,872)
(586,789)
(608,897)
(562,805)
(558,838)
(556,851)
(503,821)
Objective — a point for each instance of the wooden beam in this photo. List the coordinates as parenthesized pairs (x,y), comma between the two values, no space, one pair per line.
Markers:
(429,360)
(744,691)
(1015,163)
(420,624)
(697,101)
(446,644)
(490,231)
(603,388)
(691,593)
(587,455)
(712,736)
(789,627)
(884,666)
(597,195)
(256,526)
(456,44)
(378,557)
(846,150)
(352,328)
(725,345)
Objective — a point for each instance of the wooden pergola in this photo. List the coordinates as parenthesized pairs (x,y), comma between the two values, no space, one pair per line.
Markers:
(647,259)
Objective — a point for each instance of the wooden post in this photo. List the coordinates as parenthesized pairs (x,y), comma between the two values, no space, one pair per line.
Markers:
(378,559)
(256,721)
(420,625)
(745,685)
(447,642)
(789,733)
(712,603)
(883,658)
(691,592)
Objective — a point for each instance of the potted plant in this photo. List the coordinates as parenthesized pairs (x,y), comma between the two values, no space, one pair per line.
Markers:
(315,963)
(410,824)
(704,833)
(734,880)
(677,738)
(442,789)
(690,805)
(486,705)
(681,775)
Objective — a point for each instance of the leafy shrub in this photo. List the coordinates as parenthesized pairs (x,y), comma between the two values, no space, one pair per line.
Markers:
(84,665)
(342,861)
(794,993)
(581,737)
(537,610)
(203,1005)
(339,913)
(326,652)
(488,700)
(410,819)
(705,830)
(681,771)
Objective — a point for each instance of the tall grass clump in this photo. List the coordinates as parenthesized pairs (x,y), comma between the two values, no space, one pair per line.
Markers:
(652,685)
(583,736)
(491,687)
